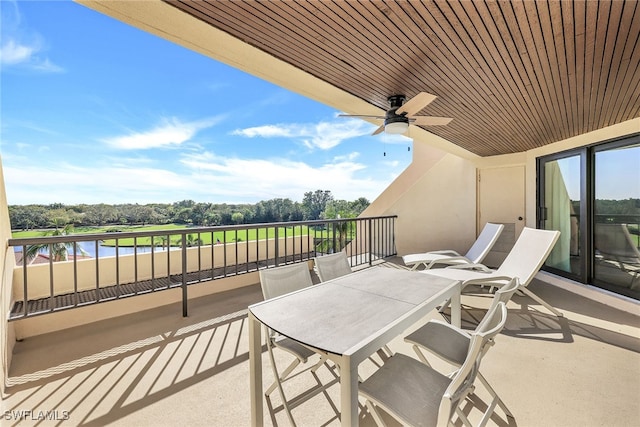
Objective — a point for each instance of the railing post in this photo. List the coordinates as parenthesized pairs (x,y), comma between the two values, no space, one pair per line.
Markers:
(333,239)
(25,290)
(370,243)
(277,245)
(184,275)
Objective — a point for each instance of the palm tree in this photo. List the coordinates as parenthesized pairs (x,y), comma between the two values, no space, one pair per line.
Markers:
(191,240)
(59,251)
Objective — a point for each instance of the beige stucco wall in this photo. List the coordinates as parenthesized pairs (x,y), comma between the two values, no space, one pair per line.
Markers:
(434,199)
(7,264)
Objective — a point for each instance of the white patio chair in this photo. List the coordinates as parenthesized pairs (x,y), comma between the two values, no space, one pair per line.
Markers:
(331,266)
(474,255)
(523,262)
(417,395)
(276,282)
(614,245)
(451,344)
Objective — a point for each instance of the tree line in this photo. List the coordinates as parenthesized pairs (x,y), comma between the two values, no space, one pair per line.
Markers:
(319,204)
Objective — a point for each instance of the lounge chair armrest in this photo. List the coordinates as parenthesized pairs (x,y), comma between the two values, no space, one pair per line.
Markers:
(445,252)
(497,280)
(453,260)
(471,266)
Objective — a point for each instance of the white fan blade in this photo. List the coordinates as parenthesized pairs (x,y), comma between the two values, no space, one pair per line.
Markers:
(416,103)
(379,130)
(362,116)
(430,120)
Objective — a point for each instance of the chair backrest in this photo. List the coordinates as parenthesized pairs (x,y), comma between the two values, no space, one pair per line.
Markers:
(485,241)
(502,295)
(462,382)
(331,266)
(528,254)
(614,242)
(282,280)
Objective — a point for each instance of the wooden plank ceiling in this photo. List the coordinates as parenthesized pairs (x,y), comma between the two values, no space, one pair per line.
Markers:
(513,75)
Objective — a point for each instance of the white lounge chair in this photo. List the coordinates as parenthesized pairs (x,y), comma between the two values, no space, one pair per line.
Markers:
(615,246)
(523,262)
(474,255)
(331,266)
(276,282)
(451,344)
(417,395)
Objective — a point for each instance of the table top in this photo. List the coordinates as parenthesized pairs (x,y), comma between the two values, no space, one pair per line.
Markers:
(341,315)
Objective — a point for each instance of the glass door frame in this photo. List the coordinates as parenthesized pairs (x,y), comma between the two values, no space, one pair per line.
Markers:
(587,155)
(586,210)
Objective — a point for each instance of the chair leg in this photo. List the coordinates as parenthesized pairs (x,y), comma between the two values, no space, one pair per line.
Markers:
(282,376)
(535,297)
(463,417)
(495,396)
(322,361)
(375,414)
(277,383)
(444,306)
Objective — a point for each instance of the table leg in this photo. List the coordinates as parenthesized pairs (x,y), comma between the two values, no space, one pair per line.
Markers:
(456,311)
(255,370)
(348,393)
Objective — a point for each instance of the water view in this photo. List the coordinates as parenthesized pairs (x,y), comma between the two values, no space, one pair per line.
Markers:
(106,251)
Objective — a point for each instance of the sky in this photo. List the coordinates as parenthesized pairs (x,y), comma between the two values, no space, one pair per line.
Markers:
(95,111)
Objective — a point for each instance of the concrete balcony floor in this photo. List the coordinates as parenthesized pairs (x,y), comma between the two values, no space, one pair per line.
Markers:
(156,368)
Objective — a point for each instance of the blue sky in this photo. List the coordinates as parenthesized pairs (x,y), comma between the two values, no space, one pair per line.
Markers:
(95,111)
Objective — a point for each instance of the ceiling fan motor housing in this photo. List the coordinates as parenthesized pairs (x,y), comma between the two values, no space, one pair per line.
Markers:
(395,102)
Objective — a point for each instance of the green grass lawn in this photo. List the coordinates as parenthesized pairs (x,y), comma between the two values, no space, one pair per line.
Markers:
(207,238)
(175,239)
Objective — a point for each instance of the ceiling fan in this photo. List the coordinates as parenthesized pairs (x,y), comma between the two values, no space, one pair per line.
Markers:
(401,113)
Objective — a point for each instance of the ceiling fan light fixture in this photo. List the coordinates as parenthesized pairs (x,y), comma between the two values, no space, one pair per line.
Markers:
(396,127)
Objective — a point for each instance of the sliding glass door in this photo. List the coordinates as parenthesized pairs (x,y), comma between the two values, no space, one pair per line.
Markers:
(561,211)
(592,196)
(617,219)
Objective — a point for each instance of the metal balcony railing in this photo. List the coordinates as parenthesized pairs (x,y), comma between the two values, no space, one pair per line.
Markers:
(126,264)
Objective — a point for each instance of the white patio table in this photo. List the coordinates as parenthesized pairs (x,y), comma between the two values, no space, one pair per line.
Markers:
(349,318)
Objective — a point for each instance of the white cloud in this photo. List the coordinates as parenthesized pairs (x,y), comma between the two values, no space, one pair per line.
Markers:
(76,184)
(349,157)
(12,52)
(207,178)
(323,135)
(169,132)
(21,47)
(261,179)
(47,66)
(268,131)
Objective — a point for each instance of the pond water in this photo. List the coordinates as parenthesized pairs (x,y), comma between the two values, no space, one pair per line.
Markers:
(106,251)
